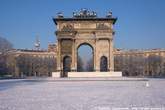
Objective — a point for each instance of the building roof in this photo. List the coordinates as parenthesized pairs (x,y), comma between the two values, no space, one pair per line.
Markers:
(84,19)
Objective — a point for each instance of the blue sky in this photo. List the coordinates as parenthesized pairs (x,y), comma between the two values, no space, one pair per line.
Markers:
(141,23)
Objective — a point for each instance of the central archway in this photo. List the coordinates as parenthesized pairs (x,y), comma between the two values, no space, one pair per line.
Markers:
(85,58)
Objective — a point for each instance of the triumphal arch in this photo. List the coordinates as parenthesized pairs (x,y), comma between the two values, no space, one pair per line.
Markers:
(85,28)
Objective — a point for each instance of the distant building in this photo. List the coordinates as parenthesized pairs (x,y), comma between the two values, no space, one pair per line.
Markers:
(52,48)
(42,62)
(138,62)
(24,62)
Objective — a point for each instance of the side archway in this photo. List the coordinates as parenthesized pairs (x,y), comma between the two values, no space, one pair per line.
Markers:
(103,64)
(66,65)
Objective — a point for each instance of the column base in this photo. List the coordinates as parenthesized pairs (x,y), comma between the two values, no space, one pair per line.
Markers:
(56,74)
(94,74)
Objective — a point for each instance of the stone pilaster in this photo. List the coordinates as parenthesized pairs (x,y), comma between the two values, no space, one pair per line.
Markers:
(73,55)
(97,68)
(111,56)
(59,56)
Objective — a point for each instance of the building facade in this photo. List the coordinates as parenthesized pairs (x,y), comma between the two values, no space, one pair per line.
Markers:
(24,62)
(138,62)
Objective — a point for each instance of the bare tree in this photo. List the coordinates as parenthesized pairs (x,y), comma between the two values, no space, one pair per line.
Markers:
(138,65)
(154,65)
(5,45)
(35,66)
(3,67)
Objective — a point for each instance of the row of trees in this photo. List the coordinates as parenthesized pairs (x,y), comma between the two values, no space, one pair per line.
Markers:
(29,65)
(26,65)
(3,67)
(5,45)
(35,66)
(132,65)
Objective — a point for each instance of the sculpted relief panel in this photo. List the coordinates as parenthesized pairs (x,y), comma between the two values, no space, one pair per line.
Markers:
(103,48)
(67,27)
(103,26)
(66,47)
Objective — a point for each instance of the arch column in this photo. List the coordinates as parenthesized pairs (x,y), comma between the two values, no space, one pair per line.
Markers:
(111,57)
(96,68)
(59,56)
(94,60)
(75,60)
(74,52)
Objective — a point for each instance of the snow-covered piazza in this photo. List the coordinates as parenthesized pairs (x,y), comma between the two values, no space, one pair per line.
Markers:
(82,94)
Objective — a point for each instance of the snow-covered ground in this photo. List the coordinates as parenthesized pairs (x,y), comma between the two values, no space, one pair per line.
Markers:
(81,95)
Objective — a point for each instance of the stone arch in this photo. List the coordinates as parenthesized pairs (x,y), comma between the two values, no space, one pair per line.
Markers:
(67,60)
(103,63)
(91,64)
(67,27)
(96,33)
(86,43)
(90,42)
